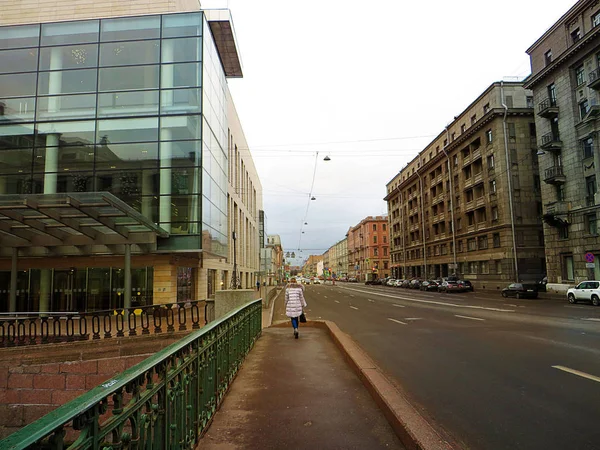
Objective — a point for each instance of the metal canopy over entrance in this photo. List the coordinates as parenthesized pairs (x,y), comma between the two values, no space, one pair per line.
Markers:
(89,223)
(63,223)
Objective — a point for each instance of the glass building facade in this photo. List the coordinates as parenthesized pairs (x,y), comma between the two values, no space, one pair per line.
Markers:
(133,106)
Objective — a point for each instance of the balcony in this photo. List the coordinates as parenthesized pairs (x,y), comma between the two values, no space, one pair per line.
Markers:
(476,154)
(467,160)
(555,175)
(480,202)
(468,182)
(594,79)
(551,141)
(548,108)
(469,205)
(478,178)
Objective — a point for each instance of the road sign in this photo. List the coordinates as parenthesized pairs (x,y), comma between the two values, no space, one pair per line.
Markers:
(590,265)
(589,257)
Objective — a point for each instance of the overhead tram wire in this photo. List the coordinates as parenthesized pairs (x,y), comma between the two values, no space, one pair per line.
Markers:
(310,197)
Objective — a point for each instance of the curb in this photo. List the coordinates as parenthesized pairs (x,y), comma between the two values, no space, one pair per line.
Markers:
(410,426)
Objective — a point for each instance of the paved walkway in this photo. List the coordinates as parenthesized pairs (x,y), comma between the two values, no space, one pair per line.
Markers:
(298,394)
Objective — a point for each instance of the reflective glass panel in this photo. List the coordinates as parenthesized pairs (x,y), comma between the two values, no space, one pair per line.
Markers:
(23,183)
(181,75)
(183,153)
(73,182)
(23,60)
(130,28)
(67,82)
(63,107)
(137,103)
(185,181)
(129,53)
(69,57)
(128,78)
(63,134)
(17,109)
(19,36)
(21,85)
(177,25)
(15,161)
(180,50)
(126,184)
(127,156)
(70,32)
(178,128)
(64,159)
(98,295)
(180,101)
(127,130)
(16,136)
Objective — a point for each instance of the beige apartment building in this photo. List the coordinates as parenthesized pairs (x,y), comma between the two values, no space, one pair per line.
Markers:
(123,166)
(565,80)
(338,258)
(469,203)
(368,249)
(311,266)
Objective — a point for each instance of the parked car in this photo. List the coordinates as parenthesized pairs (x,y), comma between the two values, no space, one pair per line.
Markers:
(450,286)
(467,285)
(520,290)
(429,285)
(398,283)
(316,281)
(415,284)
(586,291)
(352,280)
(405,283)
(391,282)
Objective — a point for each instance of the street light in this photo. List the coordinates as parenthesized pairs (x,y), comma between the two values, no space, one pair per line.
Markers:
(327,158)
(313,198)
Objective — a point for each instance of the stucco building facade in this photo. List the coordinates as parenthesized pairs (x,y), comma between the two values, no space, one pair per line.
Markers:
(368,249)
(469,203)
(565,80)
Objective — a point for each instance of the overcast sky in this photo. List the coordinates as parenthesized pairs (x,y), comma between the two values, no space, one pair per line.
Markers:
(368,84)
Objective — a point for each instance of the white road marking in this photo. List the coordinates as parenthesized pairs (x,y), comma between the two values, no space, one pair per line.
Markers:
(372,301)
(590,318)
(353,307)
(325,296)
(413,318)
(337,301)
(399,306)
(397,321)
(432,302)
(351,295)
(578,373)
(510,304)
(470,318)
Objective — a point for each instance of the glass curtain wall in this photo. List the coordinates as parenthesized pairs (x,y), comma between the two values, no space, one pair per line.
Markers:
(115,105)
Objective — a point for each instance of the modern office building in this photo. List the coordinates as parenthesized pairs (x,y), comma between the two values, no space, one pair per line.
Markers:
(368,249)
(469,203)
(115,142)
(565,80)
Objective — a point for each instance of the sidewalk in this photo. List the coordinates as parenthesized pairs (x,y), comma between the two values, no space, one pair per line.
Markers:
(317,392)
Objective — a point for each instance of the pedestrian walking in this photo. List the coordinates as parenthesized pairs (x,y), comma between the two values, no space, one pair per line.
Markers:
(294,303)
(258,285)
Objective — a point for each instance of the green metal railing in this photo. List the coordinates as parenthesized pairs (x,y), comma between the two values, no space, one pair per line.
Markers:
(164,402)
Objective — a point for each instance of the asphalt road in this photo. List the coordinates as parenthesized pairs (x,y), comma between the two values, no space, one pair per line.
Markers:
(492,373)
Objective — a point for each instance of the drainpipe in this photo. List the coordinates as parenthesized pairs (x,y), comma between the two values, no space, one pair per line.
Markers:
(451,201)
(423,225)
(509,175)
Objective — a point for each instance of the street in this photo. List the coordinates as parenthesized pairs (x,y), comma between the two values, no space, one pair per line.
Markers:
(493,373)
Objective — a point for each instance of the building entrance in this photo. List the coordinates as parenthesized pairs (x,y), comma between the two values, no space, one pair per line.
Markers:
(69,290)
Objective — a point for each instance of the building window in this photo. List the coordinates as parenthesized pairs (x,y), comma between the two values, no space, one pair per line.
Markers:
(520,238)
(384,227)
(591,224)
(494,213)
(496,239)
(596,19)
(529,101)
(385,250)
(579,75)
(486,108)
(498,267)
(463,128)
(493,187)
(576,35)
(490,162)
(374,239)
(471,244)
(482,243)
(590,190)
(375,251)
(484,267)
(588,147)
(552,94)
(512,132)
(563,232)
(548,57)
(473,119)
(456,160)
(584,108)
(385,265)
(374,227)
(488,136)
(452,137)
(568,270)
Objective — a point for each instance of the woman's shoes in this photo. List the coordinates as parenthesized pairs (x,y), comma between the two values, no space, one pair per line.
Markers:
(296,333)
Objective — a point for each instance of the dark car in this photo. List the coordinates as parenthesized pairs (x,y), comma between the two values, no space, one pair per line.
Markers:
(520,290)
(450,286)
(415,284)
(405,283)
(467,285)
(429,285)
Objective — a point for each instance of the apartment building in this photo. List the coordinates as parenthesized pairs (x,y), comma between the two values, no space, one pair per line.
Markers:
(565,80)
(338,258)
(368,249)
(311,266)
(115,128)
(469,203)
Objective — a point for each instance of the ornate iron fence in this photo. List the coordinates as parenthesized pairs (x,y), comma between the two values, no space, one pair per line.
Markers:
(49,328)
(164,402)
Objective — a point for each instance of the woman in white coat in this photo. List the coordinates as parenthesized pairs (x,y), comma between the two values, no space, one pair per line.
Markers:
(294,303)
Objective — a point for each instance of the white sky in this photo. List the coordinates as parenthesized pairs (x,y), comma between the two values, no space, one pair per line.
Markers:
(367,83)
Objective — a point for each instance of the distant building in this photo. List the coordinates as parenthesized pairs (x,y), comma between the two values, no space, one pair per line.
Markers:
(277,269)
(368,249)
(470,203)
(565,79)
(338,258)
(310,268)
